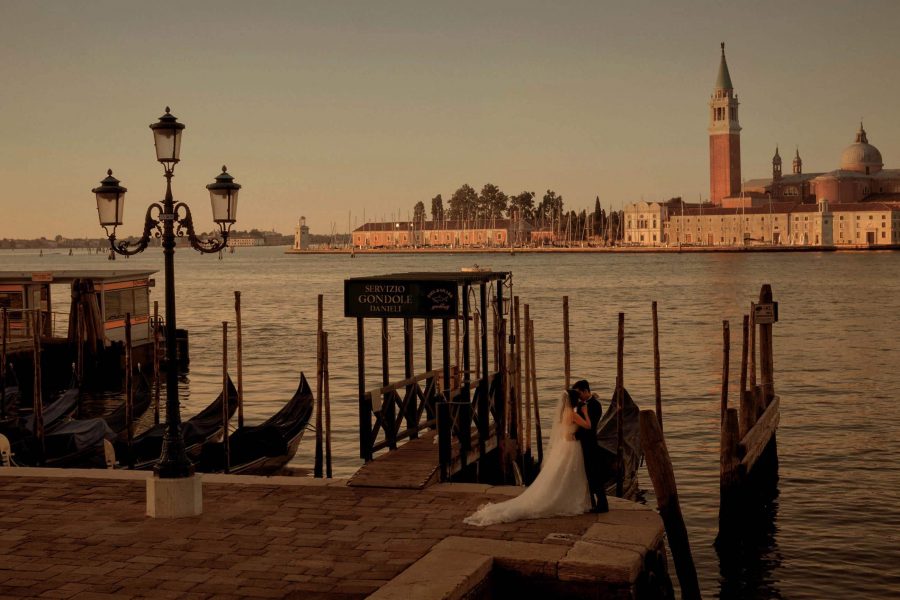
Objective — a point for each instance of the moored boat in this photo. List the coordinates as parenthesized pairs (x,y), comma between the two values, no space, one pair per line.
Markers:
(200,429)
(266,448)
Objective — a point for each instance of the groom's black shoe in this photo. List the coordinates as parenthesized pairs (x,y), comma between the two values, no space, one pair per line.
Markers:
(602,506)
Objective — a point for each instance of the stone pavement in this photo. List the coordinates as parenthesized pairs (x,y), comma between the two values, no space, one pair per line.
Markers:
(84,535)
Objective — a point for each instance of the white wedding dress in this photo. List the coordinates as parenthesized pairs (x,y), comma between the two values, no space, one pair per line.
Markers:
(561,488)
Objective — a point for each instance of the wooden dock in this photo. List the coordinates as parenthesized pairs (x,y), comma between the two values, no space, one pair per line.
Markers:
(414,465)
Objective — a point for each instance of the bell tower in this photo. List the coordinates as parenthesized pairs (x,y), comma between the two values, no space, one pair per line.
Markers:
(724,138)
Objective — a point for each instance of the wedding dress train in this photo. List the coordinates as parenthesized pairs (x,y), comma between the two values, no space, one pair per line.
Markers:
(560,489)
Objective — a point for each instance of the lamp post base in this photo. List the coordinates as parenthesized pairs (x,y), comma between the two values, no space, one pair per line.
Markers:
(174,498)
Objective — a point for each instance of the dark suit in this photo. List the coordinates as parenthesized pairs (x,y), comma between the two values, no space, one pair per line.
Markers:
(593,462)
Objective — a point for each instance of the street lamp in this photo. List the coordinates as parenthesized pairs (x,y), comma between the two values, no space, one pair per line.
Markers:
(172,220)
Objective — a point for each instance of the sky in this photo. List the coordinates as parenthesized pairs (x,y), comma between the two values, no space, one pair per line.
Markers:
(339,109)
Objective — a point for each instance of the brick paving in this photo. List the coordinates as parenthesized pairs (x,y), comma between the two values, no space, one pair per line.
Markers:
(78,538)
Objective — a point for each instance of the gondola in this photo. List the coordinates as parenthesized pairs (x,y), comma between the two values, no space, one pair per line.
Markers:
(70,443)
(139,404)
(56,413)
(263,449)
(200,429)
(632,454)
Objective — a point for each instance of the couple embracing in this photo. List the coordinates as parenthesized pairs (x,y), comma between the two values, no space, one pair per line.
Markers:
(572,478)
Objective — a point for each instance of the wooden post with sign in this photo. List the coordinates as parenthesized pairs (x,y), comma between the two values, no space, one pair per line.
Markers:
(749,457)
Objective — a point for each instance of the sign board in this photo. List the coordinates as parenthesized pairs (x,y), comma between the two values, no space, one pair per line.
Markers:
(400,298)
(42,277)
(764,314)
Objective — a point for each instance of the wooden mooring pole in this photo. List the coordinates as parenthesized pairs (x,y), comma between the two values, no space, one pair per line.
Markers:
(620,401)
(79,343)
(534,395)
(317,467)
(656,378)
(129,397)
(566,356)
(517,355)
(726,350)
(326,377)
(766,358)
(662,475)
(225,416)
(4,331)
(38,399)
(527,379)
(240,358)
(747,407)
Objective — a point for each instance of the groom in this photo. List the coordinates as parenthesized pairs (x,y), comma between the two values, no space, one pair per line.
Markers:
(589,408)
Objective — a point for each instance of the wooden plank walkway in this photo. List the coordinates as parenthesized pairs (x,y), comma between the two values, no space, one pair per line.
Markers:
(412,466)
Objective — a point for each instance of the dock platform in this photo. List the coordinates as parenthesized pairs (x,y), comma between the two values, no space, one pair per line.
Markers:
(83,534)
(414,465)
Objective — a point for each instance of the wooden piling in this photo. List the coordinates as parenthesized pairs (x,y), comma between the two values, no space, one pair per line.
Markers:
(656,374)
(620,401)
(456,384)
(729,462)
(751,365)
(726,350)
(747,410)
(662,475)
(534,394)
(79,343)
(527,378)
(495,321)
(409,370)
(156,381)
(4,331)
(363,408)
(477,324)
(387,405)
(326,377)
(225,416)
(129,396)
(37,398)
(517,353)
(240,358)
(566,350)
(317,466)
(766,358)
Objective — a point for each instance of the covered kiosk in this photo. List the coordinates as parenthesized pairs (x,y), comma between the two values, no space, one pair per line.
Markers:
(451,398)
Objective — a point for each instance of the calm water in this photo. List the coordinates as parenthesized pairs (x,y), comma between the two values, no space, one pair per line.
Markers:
(835,522)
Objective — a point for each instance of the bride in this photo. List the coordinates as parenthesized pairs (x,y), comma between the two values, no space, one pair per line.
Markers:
(561,488)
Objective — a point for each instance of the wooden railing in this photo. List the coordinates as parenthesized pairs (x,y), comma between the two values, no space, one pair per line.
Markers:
(416,407)
(21,324)
(456,418)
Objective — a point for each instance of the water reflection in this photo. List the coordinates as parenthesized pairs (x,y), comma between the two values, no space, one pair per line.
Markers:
(747,544)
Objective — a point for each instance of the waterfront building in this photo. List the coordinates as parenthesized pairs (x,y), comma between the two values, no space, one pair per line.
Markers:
(788,224)
(644,223)
(443,234)
(246,241)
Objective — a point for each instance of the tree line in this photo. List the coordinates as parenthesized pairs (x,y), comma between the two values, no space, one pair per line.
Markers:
(469,206)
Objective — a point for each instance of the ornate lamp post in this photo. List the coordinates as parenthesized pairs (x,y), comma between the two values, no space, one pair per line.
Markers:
(171,220)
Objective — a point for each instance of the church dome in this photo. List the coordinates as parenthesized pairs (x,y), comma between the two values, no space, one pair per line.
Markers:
(861,156)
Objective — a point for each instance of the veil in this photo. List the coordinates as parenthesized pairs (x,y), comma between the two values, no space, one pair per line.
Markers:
(557,434)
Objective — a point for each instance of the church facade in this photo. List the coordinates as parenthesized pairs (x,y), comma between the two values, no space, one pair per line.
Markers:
(856,204)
